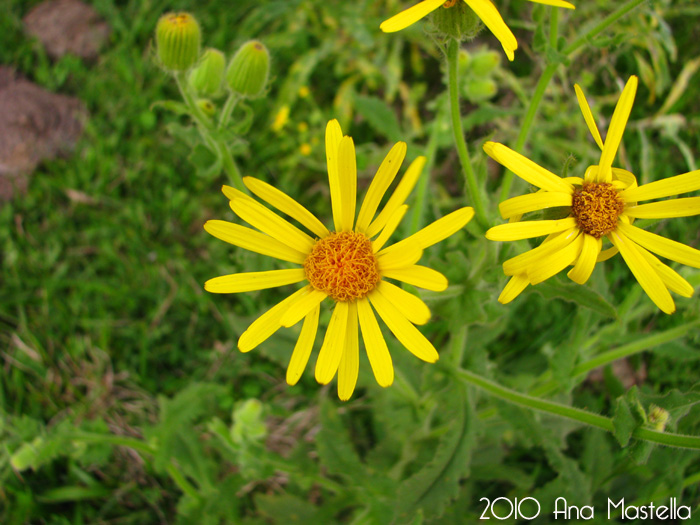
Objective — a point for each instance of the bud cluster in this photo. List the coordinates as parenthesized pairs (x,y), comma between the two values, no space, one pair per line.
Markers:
(476,72)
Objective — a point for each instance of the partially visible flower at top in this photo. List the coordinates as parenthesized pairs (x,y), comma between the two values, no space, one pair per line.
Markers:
(601,205)
(349,265)
(484,9)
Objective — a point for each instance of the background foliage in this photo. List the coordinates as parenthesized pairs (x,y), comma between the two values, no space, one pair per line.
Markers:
(123,397)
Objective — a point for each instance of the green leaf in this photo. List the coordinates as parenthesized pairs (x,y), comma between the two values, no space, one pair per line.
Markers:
(380,116)
(74,493)
(335,449)
(578,294)
(629,415)
(286,509)
(179,108)
(438,482)
(206,163)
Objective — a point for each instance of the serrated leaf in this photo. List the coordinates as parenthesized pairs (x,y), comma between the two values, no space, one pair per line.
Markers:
(624,422)
(285,509)
(578,294)
(206,163)
(438,482)
(380,116)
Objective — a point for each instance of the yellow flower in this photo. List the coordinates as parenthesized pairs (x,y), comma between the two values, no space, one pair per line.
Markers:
(484,9)
(603,204)
(349,265)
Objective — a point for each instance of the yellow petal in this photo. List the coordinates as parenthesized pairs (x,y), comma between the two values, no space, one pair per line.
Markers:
(407,334)
(585,264)
(350,360)
(401,193)
(666,209)
(664,188)
(492,19)
(253,240)
(438,230)
(410,16)
(516,231)
(375,345)
(625,177)
(410,306)
(286,204)
(268,323)
(555,262)
(232,193)
(607,254)
(391,258)
(269,222)
(514,288)
(588,116)
(526,169)
(302,308)
(382,180)
(347,173)
(643,272)
(419,276)
(670,277)
(520,263)
(661,245)
(333,137)
(333,345)
(302,350)
(247,282)
(533,202)
(390,228)
(555,3)
(616,129)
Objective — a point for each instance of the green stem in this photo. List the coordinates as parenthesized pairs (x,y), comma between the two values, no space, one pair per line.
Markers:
(181,481)
(458,133)
(204,125)
(230,104)
(576,414)
(549,71)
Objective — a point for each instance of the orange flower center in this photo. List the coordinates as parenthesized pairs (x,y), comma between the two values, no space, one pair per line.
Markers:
(596,207)
(343,265)
(449,3)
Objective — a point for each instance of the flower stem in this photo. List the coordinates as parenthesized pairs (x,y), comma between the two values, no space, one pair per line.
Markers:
(230,104)
(576,414)
(205,127)
(458,132)
(549,71)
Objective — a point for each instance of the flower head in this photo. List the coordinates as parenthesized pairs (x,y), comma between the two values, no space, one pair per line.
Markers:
(601,205)
(484,9)
(349,265)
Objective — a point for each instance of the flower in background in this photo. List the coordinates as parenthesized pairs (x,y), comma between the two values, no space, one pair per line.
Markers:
(602,205)
(484,9)
(349,265)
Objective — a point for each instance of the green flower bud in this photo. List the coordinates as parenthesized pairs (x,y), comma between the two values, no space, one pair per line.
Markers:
(480,89)
(27,455)
(206,77)
(207,106)
(455,19)
(178,40)
(247,73)
(485,62)
(658,418)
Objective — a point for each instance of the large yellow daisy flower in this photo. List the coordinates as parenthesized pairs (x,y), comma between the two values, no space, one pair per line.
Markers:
(484,9)
(603,204)
(349,265)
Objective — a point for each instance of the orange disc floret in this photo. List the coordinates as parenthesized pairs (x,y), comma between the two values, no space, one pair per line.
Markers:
(343,265)
(596,207)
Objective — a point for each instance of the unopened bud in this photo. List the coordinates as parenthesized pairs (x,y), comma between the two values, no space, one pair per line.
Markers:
(206,77)
(455,19)
(658,417)
(247,73)
(485,62)
(207,106)
(480,89)
(178,40)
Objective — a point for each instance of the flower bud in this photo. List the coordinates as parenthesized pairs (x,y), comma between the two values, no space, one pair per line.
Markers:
(247,73)
(207,106)
(206,77)
(480,89)
(455,19)
(658,418)
(485,62)
(178,40)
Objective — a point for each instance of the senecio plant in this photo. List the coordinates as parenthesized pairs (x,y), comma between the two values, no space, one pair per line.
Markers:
(352,263)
